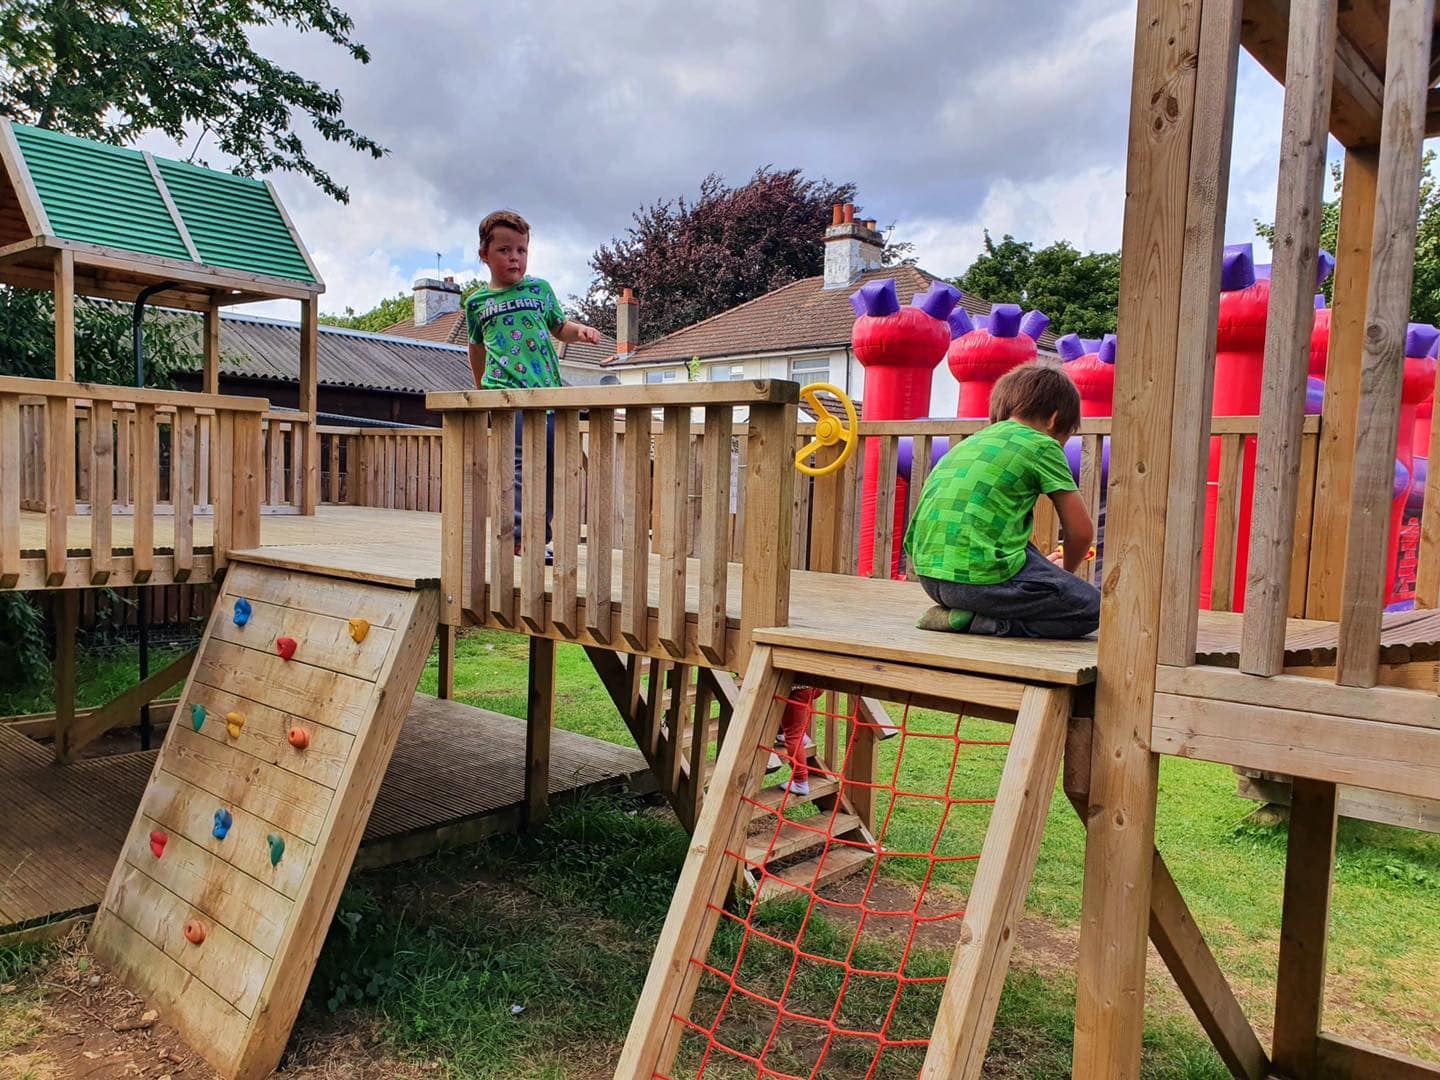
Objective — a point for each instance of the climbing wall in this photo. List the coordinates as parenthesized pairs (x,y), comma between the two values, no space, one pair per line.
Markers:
(229,877)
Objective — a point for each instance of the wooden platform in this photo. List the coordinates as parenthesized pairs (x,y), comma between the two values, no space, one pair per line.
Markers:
(831,612)
(457,775)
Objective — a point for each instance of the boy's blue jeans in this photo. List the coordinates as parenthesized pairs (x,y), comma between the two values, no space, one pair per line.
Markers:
(1040,601)
(549,473)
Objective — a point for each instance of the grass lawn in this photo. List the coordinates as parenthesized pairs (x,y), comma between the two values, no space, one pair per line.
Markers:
(523,957)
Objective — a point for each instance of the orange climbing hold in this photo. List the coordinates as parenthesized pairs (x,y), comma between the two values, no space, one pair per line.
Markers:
(158,840)
(285,646)
(194,931)
(358,629)
(233,723)
(299,738)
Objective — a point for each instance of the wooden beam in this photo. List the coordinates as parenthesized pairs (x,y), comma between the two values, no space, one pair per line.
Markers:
(308,470)
(294,233)
(1120,841)
(752,392)
(446,687)
(1334,470)
(539,720)
(1308,68)
(64,289)
(1300,987)
(67,625)
(1343,1059)
(175,218)
(20,179)
(70,740)
(210,377)
(1388,311)
(130,395)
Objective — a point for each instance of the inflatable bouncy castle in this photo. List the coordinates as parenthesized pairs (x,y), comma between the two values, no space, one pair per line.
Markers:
(1091,367)
(986,348)
(1417,386)
(899,348)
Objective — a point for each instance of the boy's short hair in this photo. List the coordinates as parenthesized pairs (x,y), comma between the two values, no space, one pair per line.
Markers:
(1037,392)
(508,218)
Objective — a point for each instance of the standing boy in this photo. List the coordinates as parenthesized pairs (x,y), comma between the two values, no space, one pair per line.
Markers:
(969,538)
(511,320)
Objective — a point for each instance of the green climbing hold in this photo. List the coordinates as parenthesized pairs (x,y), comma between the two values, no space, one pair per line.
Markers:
(277,847)
(197,716)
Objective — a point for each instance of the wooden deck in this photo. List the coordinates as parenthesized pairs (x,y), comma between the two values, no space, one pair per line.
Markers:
(458,775)
(836,613)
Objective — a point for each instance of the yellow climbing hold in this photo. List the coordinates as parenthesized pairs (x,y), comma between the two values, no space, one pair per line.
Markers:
(359,628)
(233,723)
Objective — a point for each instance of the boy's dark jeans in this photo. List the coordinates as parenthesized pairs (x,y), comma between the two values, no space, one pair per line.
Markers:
(1040,601)
(549,472)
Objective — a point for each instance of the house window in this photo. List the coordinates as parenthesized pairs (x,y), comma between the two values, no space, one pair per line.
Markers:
(669,375)
(727,372)
(810,369)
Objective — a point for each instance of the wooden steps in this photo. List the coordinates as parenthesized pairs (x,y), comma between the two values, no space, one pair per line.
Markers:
(840,862)
(797,836)
(772,797)
(219,927)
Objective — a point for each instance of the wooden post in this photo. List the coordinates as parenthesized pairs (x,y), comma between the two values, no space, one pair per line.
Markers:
(1300,988)
(210,377)
(307,461)
(65,315)
(1342,384)
(1304,134)
(765,558)
(539,718)
(1176,102)
(446,689)
(67,622)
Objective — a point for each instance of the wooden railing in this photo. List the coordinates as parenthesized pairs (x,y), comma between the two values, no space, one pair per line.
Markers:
(640,511)
(398,468)
(110,467)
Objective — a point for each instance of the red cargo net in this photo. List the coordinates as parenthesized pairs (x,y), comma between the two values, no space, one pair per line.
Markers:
(810,998)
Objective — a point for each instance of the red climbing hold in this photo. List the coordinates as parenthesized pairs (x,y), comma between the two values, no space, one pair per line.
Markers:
(285,646)
(158,840)
(299,738)
(194,931)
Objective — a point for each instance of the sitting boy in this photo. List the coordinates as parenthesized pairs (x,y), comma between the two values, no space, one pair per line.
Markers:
(969,538)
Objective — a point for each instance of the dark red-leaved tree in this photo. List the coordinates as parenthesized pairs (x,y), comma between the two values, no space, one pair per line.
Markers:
(688,260)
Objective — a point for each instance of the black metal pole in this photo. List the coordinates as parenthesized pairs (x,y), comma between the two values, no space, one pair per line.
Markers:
(137,327)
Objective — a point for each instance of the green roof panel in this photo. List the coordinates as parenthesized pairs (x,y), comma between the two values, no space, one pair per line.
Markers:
(233,221)
(99,194)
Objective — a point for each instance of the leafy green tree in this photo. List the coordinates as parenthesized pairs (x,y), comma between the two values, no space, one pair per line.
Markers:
(1080,292)
(104,348)
(114,70)
(1425,293)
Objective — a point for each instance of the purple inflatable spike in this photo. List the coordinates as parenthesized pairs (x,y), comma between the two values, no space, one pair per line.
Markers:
(1070,347)
(1107,349)
(1034,324)
(960,323)
(1005,320)
(1314,396)
(1324,267)
(1237,267)
(982,322)
(1092,344)
(1434,349)
(1263,271)
(876,298)
(1420,338)
(937,301)
(1319,301)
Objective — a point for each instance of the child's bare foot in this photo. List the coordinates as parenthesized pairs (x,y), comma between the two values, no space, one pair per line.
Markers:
(948,620)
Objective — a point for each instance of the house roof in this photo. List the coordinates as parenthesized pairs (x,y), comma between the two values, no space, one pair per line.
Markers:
(801,315)
(129,201)
(450,329)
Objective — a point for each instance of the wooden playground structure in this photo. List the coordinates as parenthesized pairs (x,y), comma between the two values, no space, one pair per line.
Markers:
(687,550)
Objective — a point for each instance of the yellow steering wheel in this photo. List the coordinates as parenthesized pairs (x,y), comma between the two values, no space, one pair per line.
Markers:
(829,430)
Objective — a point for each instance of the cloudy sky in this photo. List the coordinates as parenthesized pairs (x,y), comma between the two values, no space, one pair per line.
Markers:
(950,117)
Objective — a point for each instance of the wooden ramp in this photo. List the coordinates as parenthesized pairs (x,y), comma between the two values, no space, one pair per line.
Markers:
(245,834)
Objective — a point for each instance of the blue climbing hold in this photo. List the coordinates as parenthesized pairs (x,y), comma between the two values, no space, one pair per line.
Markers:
(223,821)
(197,715)
(242,611)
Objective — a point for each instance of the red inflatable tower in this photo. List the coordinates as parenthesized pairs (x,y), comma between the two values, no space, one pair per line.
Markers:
(1418,385)
(985,349)
(1091,367)
(899,349)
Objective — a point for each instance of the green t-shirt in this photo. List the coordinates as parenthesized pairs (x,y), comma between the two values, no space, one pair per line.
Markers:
(514,325)
(977,509)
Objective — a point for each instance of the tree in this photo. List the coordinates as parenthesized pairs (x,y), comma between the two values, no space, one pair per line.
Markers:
(104,347)
(1080,292)
(688,260)
(1425,293)
(112,71)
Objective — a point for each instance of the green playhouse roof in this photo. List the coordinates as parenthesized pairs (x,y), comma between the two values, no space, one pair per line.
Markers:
(111,196)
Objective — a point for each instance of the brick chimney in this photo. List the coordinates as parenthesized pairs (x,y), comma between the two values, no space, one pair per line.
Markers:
(434,298)
(851,247)
(627,324)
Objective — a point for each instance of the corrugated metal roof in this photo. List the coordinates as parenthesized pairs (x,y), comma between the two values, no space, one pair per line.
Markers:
(100,194)
(233,221)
